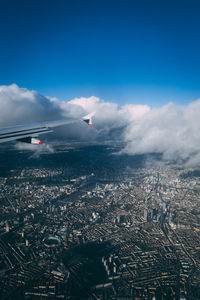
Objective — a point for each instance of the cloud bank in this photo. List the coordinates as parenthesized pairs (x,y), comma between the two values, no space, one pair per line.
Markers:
(171,130)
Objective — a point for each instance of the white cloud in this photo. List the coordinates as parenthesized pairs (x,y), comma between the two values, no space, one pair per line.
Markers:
(171,130)
(42,149)
(21,105)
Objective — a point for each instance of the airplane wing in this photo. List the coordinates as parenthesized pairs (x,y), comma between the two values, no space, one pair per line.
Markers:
(27,133)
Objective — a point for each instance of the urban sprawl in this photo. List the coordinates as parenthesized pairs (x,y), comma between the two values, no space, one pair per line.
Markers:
(131,237)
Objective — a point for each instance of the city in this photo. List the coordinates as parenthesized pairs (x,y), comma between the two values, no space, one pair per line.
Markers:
(81,236)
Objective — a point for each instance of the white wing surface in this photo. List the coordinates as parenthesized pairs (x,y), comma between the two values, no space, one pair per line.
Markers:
(28,133)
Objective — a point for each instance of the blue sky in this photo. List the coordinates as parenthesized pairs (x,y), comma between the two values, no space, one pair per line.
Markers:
(144,52)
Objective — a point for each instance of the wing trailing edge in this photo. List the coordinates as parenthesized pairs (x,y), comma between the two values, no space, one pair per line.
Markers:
(25,133)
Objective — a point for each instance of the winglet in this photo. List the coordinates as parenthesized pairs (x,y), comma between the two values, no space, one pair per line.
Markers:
(88,119)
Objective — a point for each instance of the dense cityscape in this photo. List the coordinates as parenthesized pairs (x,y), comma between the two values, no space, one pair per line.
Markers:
(119,232)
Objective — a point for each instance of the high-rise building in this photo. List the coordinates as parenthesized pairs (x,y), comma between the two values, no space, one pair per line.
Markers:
(145,214)
(7,227)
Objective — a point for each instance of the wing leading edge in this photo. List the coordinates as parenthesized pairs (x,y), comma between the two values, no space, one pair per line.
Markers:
(28,133)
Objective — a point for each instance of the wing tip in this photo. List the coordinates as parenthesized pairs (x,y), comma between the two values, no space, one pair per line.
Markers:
(88,118)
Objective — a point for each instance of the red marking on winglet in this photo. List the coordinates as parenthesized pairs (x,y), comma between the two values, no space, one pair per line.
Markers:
(89,124)
(40,142)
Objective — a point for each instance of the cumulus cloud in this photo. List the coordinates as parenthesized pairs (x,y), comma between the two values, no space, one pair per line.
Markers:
(171,130)
(19,105)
